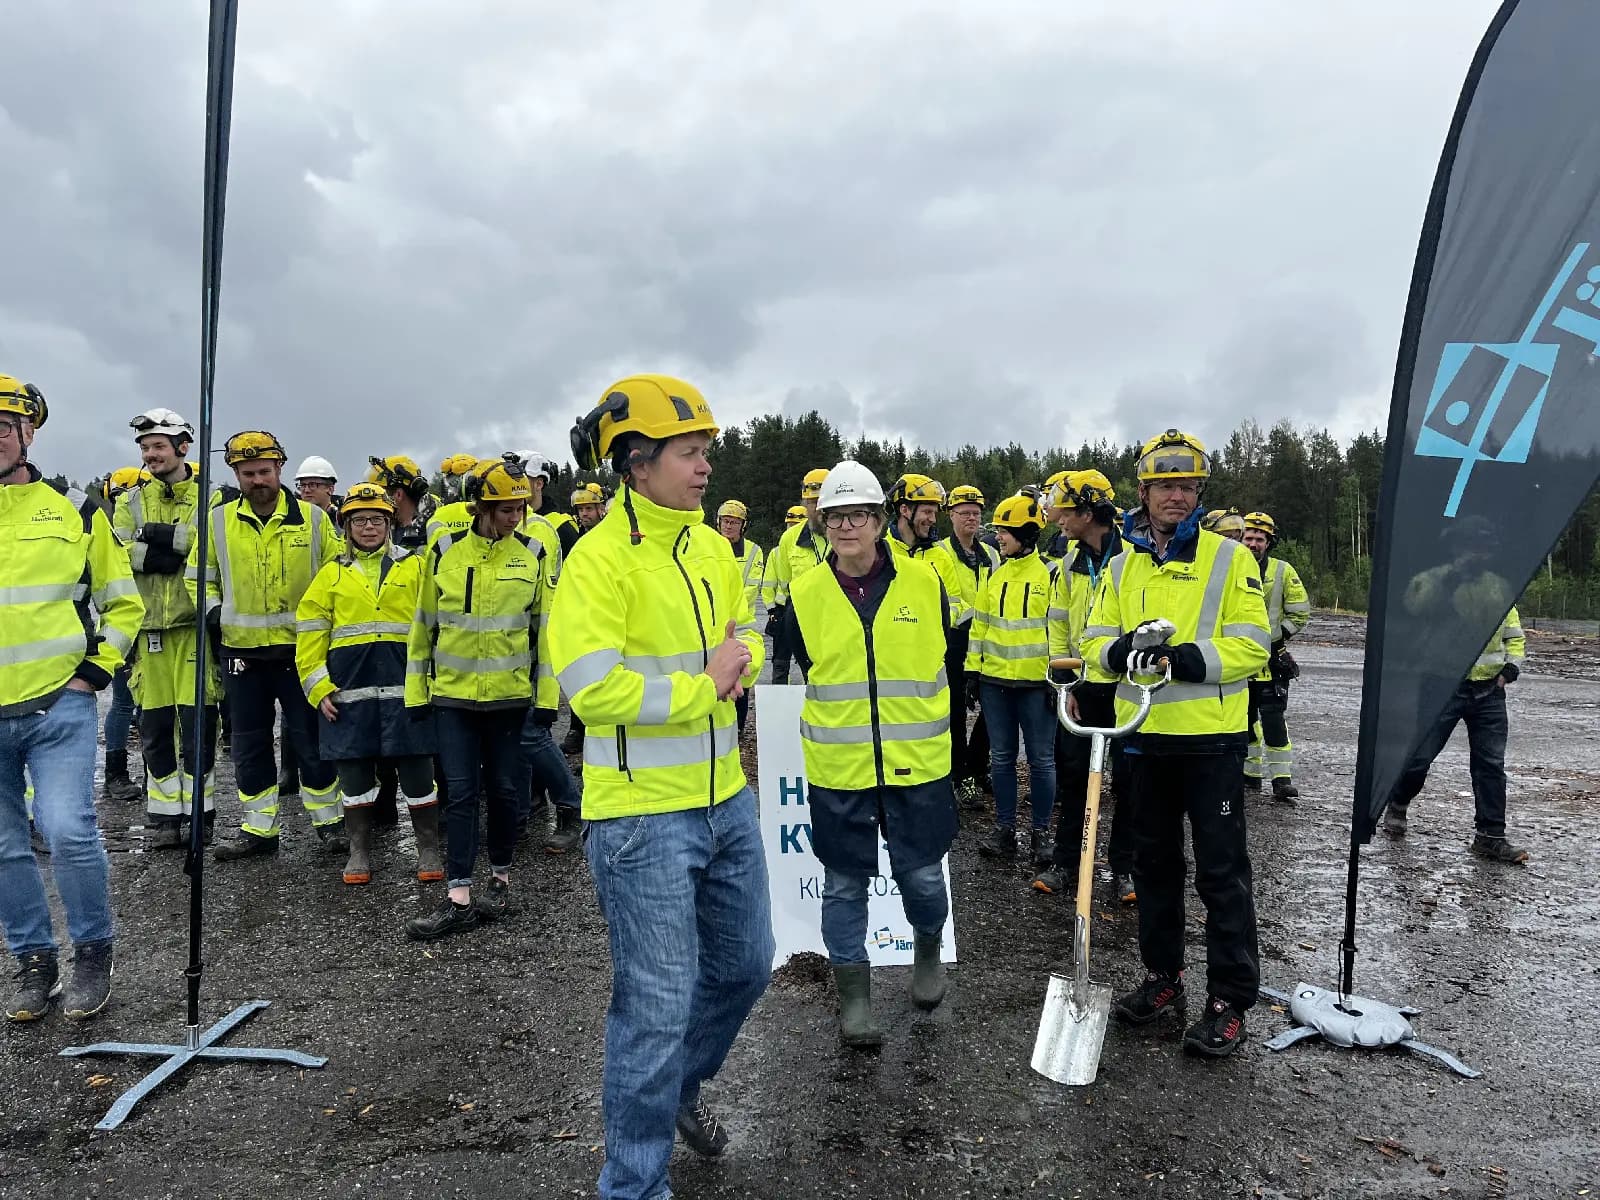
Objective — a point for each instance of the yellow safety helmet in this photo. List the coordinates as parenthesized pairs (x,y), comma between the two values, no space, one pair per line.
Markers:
(1081,489)
(811,485)
(252,445)
(458,464)
(796,514)
(23,400)
(916,489)
(1018,512)
(733,508)
(1209,521)
(495,479)
(587,493)
(963,493)
(366,497)
(124,478)
(1263,522)
(1173,455)
(398,471)
(1229,524)
(652,406)
(1050,484)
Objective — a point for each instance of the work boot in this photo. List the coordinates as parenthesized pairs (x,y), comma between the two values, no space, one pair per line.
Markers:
(1044,849)
(1218,1033)
(1252,783)
(119,781)
(38,983)
(333,837)
(244,845)
(425,825)
(572,744)
(1122,889)
(493,901)
(358,824)
(1394,819)
(448,918)
(1001,843)
(700,1130)
(970,795)
(568,835)
(90,989)
(1056,881)
(539,815)
(928,982)
(1284,790)
(386,808)
(856,1026)
(168,834)
(1497,849)
(1150,999)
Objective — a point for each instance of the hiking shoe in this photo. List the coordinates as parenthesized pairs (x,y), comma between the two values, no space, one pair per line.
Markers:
(1252,783)
(1001,843)
(1150,999)
(494,901)
(1122,889)
(700,1130)
(568,835)
(90,989)
(333,837)
(448,918)
(38,983)
(168,836)
(1055,881)
(1394,820)
(244,846)
(1497,849)
(1284,790)
(1218,1033)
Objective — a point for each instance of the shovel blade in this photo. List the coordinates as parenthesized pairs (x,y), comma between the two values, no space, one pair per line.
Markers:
(1072,1029)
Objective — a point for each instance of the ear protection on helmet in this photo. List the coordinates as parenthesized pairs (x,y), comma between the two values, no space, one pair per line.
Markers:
(586,432)
(401,476)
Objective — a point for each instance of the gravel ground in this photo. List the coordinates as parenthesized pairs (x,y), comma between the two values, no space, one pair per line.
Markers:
(472,1068)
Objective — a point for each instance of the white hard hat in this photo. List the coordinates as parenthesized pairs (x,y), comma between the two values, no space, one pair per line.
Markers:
(537,464)
(849,483)
(316,467)
(163,421)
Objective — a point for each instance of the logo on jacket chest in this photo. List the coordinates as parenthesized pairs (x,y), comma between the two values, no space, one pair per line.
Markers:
(906,616)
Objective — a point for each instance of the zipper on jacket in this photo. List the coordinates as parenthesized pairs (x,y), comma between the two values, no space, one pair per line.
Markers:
(872,704)
(1026,589)
(1000,611)
(705,653)
(622,752)
(466,608)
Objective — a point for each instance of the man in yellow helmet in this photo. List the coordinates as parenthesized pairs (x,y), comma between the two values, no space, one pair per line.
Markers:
(653,641)
(266,547)
(795,514)
(1053,542)
(801,548)
(970,562)
(732,517)
(1288,612)
(70,612)
(1184,597)
(406,487)
(588,505)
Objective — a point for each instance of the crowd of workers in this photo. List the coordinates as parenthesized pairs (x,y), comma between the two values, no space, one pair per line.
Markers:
(396,645)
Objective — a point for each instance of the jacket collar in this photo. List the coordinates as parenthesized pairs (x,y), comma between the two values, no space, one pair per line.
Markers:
(648,520)
(1180,547)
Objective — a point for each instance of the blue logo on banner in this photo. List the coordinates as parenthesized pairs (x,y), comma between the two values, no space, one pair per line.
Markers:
(1486,397)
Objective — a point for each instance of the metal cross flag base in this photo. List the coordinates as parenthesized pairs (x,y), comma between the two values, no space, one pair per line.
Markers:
(197,1045)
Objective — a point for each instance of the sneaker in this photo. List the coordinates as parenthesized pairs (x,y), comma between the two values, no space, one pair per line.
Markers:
(494,901)
(701,1131)
(1252,783)
(1394,820)
(448,918)
(1218,1033)
(1054,881)
(1122,889)
(90,989)
(1284,790)
(1001,843)
(1150,999)
(38,983)
(1497,849)
(244,846)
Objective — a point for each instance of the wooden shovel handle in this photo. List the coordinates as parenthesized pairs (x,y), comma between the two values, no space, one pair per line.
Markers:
(1066,664)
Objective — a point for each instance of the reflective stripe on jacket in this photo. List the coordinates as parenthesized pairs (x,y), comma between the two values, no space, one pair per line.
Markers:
(1507,646)
(1010,639)
(158,522)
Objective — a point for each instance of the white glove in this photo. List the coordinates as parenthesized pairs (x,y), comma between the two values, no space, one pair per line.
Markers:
(1148,661)
(1152,633)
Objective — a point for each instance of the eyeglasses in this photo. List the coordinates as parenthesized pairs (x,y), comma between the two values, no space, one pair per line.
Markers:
(367,520)
(11,428)
(856,518)
(1186,487)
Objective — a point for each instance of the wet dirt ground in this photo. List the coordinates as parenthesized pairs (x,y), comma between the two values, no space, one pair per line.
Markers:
(472,1067)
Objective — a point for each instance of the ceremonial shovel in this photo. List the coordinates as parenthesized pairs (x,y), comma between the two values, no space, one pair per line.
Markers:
(1072,1027)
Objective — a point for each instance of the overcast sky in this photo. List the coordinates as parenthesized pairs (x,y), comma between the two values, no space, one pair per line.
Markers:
(451,225)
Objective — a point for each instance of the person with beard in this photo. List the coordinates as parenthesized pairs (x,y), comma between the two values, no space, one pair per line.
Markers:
(1288,612)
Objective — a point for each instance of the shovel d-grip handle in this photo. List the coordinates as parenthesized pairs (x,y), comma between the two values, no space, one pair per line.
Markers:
(1064,689)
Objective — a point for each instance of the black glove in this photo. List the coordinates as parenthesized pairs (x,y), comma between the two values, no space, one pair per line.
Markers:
(159,560)
(775,616)
(973,685)
(545,717)
(214,631)
(1117,653)
(1509,672)
(1282,664)
(1188,664)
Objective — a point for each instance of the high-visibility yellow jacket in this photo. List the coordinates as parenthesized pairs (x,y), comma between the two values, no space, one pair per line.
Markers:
(454,518)
(546,691)
(1209,588)
(798,550)
(752,564)
(1009,640)
(475,636)
(1288,605)
(58,556)
(877,706)
(1071,595)
(257,570)
(1052,545)
(961,578)
(1507,646)
(632,630)
(352,628)
(943,566)
(158,522)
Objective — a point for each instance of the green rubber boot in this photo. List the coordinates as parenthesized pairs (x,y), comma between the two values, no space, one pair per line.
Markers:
(928,982)
(856,1026)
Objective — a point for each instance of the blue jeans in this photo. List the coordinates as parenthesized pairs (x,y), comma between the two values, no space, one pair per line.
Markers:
(684,895)
(58,749)
(480,754)
(547,764)
(1030,711)
(120,716)
(844,909)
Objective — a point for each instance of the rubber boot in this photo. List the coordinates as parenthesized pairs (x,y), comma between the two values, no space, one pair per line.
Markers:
(425,824)
(856,1027)
(358,827)
(928,982)
(119,780)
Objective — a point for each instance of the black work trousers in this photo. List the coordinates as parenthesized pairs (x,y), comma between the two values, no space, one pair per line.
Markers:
(1482,706)
(480,751)
(969,753)
(1209,789)
(1097,706)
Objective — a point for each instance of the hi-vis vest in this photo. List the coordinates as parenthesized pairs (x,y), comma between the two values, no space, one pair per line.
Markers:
(1215,600)
(256,571)
(877,707)
(165,516)
(1010,639)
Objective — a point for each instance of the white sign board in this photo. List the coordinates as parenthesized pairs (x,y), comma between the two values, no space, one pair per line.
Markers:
(794,873)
